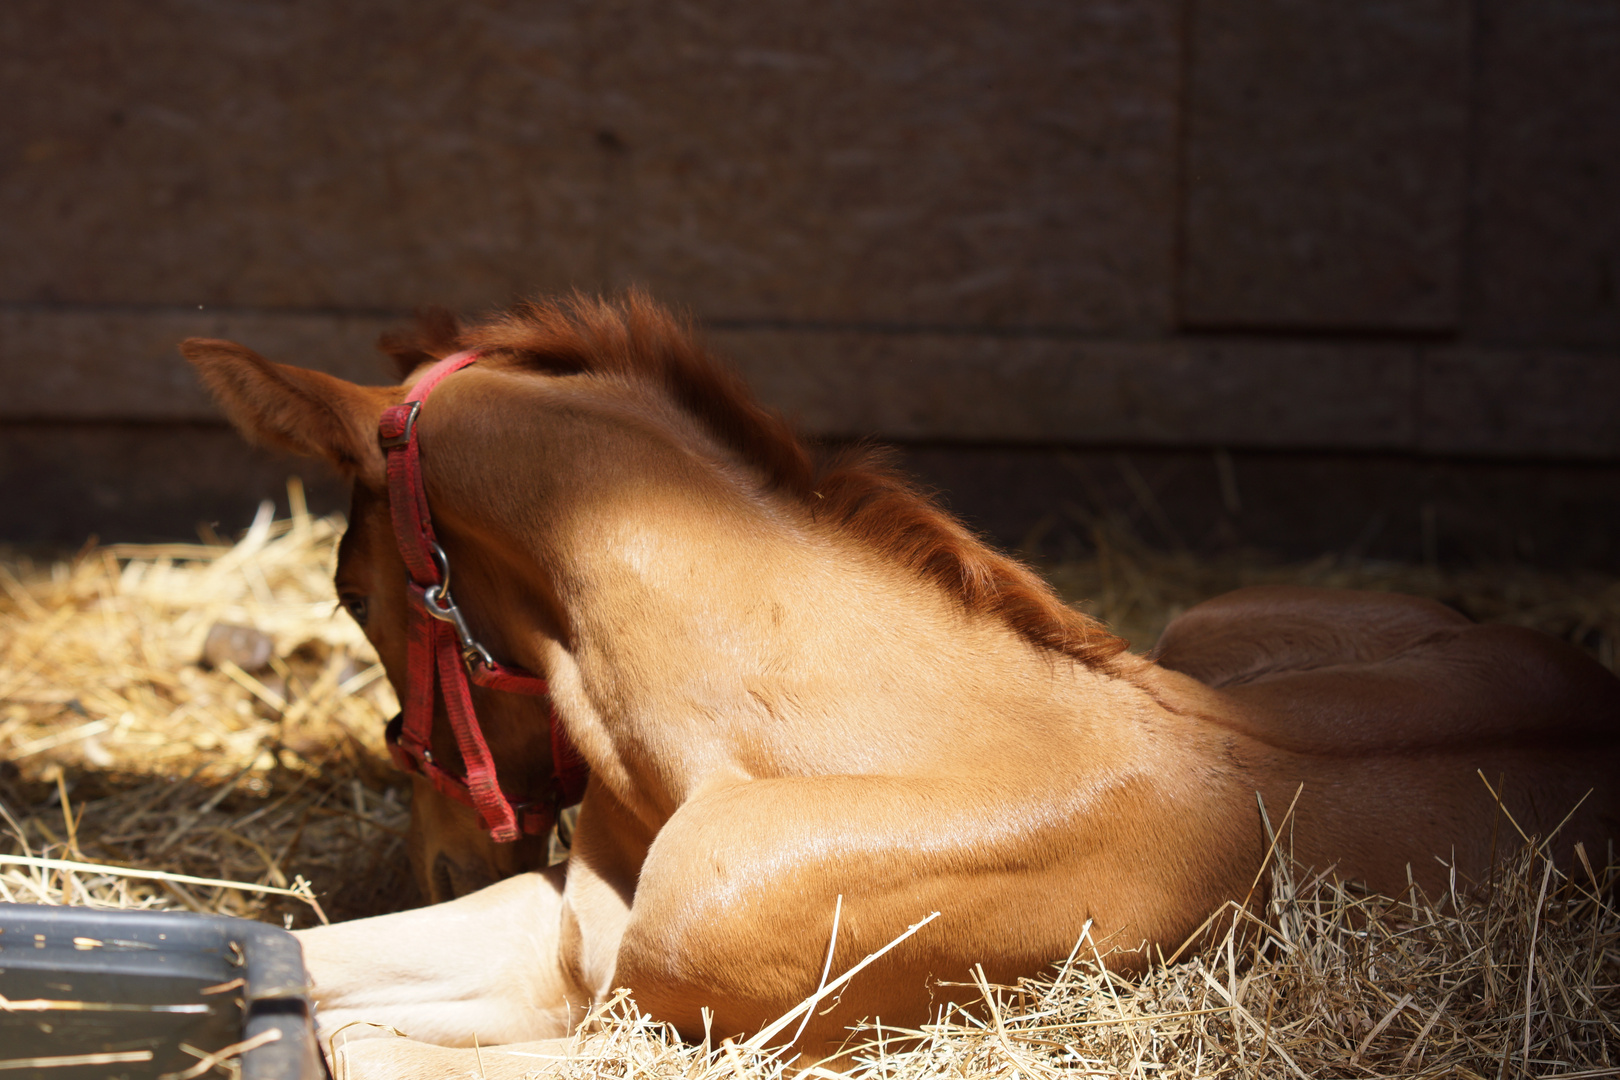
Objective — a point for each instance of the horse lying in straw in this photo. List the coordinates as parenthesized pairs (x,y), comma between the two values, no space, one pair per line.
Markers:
(796,680)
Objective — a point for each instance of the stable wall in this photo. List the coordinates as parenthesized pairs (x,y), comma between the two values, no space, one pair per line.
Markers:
(1286,236)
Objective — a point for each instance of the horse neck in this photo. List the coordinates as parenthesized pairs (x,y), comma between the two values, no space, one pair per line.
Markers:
(703,629)
(735,649)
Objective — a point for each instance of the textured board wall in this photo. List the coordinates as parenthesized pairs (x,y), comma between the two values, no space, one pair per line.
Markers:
(1313,225)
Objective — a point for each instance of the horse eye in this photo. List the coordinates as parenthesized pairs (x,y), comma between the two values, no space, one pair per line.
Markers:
(356,607)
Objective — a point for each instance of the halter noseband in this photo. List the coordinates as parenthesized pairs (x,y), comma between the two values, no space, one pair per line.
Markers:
(441,649)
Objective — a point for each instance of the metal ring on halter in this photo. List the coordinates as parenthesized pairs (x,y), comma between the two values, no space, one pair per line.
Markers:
(437,603)
(442,561)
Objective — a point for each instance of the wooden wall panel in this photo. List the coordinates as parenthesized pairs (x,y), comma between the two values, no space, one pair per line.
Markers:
(353,156)
(1360,227)
(1543,403)
(935,163)
(124,364)
(1054,390)
(893,162)
(120,365)
(1325,163)
(1545,264)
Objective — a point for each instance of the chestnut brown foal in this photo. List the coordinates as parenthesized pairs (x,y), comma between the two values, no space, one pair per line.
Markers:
(794,680)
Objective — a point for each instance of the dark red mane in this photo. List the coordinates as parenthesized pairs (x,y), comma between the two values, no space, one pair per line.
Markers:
(634,338)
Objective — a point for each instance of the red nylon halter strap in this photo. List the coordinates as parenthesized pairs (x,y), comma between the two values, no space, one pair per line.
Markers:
(441,655)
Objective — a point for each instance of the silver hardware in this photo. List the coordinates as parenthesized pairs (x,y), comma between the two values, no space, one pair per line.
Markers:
(404,436)
(436,602)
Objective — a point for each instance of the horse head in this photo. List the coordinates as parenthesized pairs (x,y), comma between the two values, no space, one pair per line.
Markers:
(316,415)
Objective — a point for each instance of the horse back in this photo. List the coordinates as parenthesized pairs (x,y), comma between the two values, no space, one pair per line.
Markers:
(1330,671)
(1252,633)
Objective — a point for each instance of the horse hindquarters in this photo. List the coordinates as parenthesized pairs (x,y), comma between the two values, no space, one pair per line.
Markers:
(1395,756)
(1388,708)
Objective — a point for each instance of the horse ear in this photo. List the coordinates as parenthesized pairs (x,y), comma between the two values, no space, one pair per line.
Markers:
(306,412)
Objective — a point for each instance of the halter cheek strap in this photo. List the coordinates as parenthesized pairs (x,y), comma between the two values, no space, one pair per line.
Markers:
(442,655)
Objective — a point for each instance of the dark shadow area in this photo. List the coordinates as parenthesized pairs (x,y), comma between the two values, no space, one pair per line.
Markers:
(61,483)
(1048,502)
(283,818)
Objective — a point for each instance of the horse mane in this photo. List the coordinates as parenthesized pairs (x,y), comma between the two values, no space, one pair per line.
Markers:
(858,489)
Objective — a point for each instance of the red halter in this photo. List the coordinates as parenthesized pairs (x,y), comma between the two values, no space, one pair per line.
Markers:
(440,646)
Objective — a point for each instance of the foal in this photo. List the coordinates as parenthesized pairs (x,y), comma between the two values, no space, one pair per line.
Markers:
(796,680)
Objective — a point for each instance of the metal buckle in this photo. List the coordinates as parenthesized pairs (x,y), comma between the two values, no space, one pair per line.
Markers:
(437,603)
(390,442)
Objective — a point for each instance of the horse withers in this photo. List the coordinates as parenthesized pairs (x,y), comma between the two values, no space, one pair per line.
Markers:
(797,683)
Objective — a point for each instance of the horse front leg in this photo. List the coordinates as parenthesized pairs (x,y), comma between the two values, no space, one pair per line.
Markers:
(584,928)
(481,968)
(740,894)
(408,1059)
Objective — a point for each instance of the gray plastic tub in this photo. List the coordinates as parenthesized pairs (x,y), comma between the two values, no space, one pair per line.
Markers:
(124,993)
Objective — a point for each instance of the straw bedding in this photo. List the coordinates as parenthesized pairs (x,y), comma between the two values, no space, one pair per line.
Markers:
(266,792)
(118,747)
